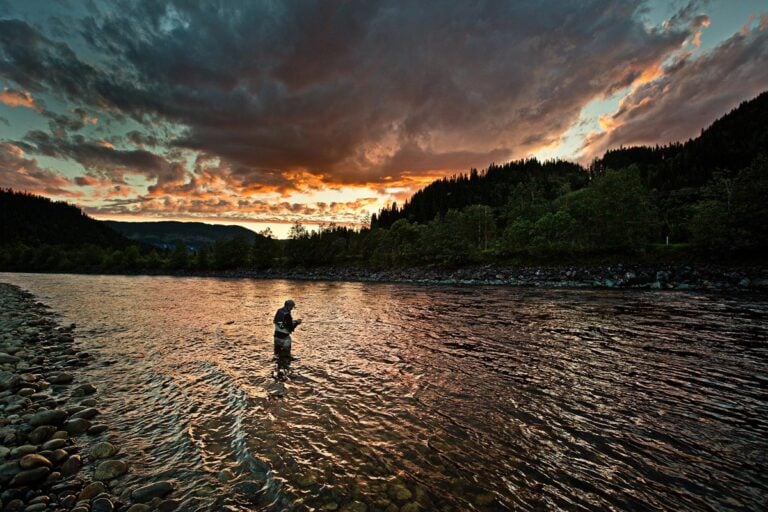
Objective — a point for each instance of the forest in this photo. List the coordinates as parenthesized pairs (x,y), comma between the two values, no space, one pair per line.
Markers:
(704,199)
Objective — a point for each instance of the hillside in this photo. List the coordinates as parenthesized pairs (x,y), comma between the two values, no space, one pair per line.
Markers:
(33,220)
(166,234)
(730,144)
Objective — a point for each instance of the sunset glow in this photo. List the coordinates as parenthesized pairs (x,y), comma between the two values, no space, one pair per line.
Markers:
(263,115)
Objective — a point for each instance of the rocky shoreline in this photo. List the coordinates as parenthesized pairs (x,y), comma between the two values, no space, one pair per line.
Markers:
(54,453)
(610,276)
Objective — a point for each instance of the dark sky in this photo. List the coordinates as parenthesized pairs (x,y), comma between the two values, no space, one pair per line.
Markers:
(323,111)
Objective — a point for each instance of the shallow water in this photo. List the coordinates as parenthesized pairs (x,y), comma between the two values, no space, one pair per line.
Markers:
(452,398)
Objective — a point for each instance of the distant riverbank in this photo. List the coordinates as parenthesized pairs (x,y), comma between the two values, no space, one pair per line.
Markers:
(707,277)
(657,277)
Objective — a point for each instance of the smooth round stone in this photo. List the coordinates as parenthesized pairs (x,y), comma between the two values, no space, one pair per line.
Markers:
(138,507)
(41,434)
(54,477)
(89,402)
(97,429)
(55,417)
(40,499)
(71,466)
(68,500)
(54,444)
(102,505)
(60,434)
(77,426)
(30,476)
(34,460)
(87,414)
(92,490)
(410,507)
(58,456)
(23,450)
(83,390)
(4,452)
(81,508)
(37,507)
(103,450)
(110,469)
(26,392)
(154,490)
(61,378)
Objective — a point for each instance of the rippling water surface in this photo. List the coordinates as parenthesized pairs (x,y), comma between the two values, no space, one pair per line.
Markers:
(429,398)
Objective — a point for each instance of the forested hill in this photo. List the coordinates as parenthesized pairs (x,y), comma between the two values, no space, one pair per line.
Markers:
(495,187)
(33,220)
(730,144)
(167,234)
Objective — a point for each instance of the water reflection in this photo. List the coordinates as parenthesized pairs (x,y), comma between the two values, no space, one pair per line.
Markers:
(415,398)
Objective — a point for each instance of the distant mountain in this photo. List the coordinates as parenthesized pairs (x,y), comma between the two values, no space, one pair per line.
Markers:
(167,234)
(34,220)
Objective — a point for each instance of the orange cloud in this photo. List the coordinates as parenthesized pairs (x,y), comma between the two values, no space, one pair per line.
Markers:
(15,98)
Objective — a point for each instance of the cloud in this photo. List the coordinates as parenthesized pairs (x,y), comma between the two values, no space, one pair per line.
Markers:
(348,93)
(16,98)
(689,95)
(21,173)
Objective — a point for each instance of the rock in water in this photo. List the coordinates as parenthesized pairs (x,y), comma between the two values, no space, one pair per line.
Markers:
(92,490)
(30,476)
(84,389)
(77,426)
(71,466)
(103,450)
(110,469)
(148,492)
(102,505)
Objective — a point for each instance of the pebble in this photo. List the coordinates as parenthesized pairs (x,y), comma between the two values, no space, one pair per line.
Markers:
(71,466)
(110,469)
(103,450)
(55,417)
(102,505)
(54,444)
(84,389)
(77,426)
(34,460)
(41,434)
(91,490)
(30,476)
(138,507)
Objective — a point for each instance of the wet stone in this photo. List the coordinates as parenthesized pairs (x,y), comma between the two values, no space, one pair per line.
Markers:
(71,466)
(77,426)
(41,434)
(148,492)
(138,507)
(97,429)
(87,414)
(58,456)
(34,460)
(110,469)
(37,507)
(103,450)
(92,490)
(22,450)
(30,476)
(55,417)
(102,505)
(83,390)
(168,505)
(54,444)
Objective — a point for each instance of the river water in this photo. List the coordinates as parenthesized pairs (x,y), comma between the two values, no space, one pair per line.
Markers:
(428,398)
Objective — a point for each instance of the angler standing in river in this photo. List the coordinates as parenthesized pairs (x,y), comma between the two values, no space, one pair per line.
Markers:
(284,326)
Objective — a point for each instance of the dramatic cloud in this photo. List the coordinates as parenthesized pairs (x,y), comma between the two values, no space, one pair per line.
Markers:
(356,92)
(235,108)
(21,173)
(689,96)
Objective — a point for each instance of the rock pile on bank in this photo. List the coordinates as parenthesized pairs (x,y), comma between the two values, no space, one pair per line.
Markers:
(53,455)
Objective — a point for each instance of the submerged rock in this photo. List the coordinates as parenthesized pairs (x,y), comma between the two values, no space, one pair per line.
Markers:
(154,490)
(110,469)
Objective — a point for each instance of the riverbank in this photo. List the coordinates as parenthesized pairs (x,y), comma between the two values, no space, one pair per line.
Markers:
(55,454)
(610,276)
